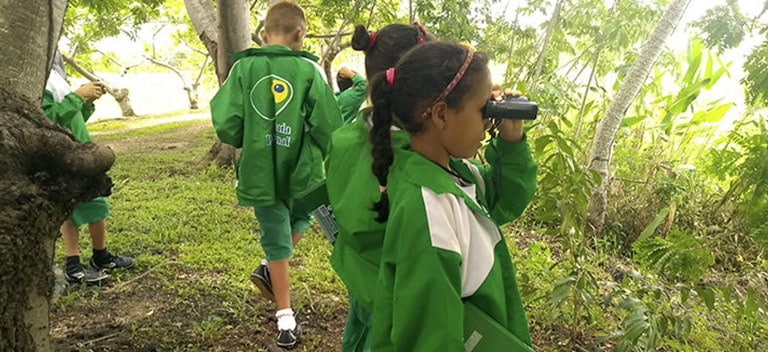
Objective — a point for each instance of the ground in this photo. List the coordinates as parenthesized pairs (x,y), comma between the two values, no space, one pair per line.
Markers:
(194,248)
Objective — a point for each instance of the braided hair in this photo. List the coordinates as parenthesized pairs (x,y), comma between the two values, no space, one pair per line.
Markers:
(400,96)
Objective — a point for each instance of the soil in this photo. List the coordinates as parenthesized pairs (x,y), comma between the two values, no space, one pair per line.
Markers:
(146,316)
(145,313)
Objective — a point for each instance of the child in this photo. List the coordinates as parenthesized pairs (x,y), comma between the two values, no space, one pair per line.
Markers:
(352,187)
(351,93)
(71,110)
(442,245)
(278,108)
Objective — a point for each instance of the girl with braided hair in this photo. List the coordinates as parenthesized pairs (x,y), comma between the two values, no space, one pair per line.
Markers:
(352,188)
(442,246)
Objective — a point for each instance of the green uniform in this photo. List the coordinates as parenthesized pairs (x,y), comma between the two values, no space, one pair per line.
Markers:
(277,107)
(443,247)
(70,111)
(350,99)
(352,190)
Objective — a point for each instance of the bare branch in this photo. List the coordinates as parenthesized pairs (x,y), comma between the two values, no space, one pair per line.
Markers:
(172,68)
(329,35)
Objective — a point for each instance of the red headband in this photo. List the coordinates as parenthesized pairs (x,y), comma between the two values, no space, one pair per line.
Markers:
(371,42)
(448,89)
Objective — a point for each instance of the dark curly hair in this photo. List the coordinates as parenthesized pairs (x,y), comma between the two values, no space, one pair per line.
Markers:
(420,76)
(384,48)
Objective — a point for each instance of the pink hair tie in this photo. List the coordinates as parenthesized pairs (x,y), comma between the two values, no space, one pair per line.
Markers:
(382,189)
(371,42)
(390,76)
(422,37)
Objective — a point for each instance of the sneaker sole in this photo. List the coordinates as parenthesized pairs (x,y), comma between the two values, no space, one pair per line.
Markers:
(266,292)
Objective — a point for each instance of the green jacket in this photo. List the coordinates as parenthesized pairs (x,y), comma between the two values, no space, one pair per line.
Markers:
(350,100)
(443,247)
(71,112)
(277,107)
(352,190)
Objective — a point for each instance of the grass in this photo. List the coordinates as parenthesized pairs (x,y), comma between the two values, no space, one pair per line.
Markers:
(179,219)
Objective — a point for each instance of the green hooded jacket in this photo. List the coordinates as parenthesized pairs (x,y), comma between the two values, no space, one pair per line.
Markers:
(277,107)
(442,247)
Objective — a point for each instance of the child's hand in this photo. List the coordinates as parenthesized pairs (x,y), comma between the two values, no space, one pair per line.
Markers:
(90,91)
(511,130)
(346,73)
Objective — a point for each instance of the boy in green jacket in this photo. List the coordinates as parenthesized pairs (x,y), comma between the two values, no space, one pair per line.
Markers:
(71,110)
(277,107)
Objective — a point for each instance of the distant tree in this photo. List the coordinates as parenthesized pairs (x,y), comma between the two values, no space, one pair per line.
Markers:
(43,171)
(608,126)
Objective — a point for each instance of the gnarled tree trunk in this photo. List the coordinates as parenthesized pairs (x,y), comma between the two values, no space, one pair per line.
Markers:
(43,171)
(605,134)
(223,32)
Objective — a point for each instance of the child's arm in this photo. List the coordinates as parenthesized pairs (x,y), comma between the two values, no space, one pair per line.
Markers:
(324,116)
(350,100)
(64,111)
(227,109)
(510,178)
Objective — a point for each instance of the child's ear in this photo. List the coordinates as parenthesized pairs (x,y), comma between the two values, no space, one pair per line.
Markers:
(439,115)
(300,33)
(263,35)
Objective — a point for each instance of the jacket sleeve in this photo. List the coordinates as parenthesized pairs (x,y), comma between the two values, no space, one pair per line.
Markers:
(351,99)
(324,116)
(228,108)
(418,304)
(510,179)
(64,111)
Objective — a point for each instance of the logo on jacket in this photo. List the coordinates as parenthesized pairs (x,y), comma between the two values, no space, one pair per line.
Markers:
(270,96)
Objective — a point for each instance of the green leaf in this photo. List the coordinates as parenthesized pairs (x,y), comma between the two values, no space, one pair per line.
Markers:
(707,295)
(651,228)
(712,115)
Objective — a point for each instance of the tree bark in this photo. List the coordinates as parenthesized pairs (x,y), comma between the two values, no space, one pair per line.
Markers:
(605,134)
(121,95)
(202,15)
(43,171)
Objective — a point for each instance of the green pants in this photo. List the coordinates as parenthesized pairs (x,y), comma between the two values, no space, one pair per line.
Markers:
(95,210)
(278,222)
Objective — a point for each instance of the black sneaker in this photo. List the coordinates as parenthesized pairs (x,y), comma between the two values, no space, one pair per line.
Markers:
(113,262)
(289,338)
(260,278)
(78,274)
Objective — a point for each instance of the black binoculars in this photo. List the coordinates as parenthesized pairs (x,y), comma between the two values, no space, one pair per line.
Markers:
(513,108)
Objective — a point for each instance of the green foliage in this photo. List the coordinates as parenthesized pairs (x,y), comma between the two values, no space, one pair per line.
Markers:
(680,257)
(756,80)
(742,161)
(722,27)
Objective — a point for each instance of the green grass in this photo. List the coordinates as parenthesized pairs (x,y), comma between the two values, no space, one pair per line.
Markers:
(179,219)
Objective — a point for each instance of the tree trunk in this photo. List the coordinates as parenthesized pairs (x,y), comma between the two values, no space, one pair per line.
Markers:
(202,15)
(605,134)
(222,38)
(121,95)
(43,170)
(545,45)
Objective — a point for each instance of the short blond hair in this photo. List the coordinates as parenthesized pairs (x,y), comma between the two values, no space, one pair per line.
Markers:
(284,17)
